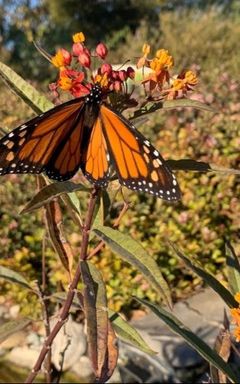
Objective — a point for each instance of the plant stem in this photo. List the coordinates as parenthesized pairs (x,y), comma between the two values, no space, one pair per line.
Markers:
(65,309)
(101,243)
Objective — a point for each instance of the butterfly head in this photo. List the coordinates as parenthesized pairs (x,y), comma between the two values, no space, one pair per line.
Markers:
(95,95)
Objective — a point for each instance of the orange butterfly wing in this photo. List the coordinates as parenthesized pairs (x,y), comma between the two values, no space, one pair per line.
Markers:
(139,165)
(96,166)
(48,143)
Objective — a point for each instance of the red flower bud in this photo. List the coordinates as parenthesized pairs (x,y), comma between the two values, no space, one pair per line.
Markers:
(85,59)
(122,75)
(106,68)
(77,49)
(130,73)
(101,50)
(117,86)
(115,75)
(67,56)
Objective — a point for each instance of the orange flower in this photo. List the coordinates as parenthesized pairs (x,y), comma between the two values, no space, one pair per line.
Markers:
(236,334)
(237,297)
(62,58)
(70,79)
(65,83)
(165,61)
(102,80)
(183,83)
(235,312)
(190,78)
(78,37)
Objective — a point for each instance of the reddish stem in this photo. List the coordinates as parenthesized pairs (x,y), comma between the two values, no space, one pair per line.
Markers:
(72,288)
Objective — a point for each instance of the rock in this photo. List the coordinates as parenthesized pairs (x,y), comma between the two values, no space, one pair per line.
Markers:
(34,340)
(14,311)
(116,377)
(69,345)
(16,340)
(23,356)
(181,355)
(83,369)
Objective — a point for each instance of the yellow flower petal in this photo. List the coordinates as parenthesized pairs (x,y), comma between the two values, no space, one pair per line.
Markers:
(146,49)
(191,78)
(164,58)
(58,60)
(78,37)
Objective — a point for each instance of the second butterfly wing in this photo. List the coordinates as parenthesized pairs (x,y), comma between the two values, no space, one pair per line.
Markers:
(138,164)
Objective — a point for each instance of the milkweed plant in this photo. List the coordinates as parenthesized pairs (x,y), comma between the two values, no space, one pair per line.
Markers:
(136,89)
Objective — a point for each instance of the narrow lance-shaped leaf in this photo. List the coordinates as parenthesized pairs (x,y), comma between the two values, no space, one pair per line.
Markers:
(171,104)
(14,277)
(208,278)
(198,344)
(51,191)
(200,166)
(56,232)
(26,91)
(128,333)
(101,337)
(11,327)
(132,252)
(233,269)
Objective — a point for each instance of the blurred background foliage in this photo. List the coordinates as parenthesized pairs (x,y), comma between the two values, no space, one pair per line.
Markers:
(203,35)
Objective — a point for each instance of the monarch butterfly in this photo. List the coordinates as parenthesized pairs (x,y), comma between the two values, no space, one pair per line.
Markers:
(86,133)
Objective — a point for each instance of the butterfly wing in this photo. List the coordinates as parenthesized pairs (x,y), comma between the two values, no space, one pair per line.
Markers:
(48,143)
(97,160)
(139,165)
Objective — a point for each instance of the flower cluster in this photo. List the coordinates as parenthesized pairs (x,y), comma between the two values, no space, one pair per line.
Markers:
(158,77)
(79,81)
(77,75)
(235,312)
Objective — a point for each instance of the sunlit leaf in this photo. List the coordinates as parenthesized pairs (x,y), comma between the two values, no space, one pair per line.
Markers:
(171,104)
(128,333)
(14,277)
(200,166)
(48,193)
(233,269)
(196,342)
(132,252)
(38,102)
(11,327)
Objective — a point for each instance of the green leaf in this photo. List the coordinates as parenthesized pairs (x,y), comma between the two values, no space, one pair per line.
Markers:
(48,193)
(233,269)
(198,344)
(208,278)
(187,103)
(200,166)
(11,327)
(14,277)
(27,92)
(171,104)
(132,252)
(128,333)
